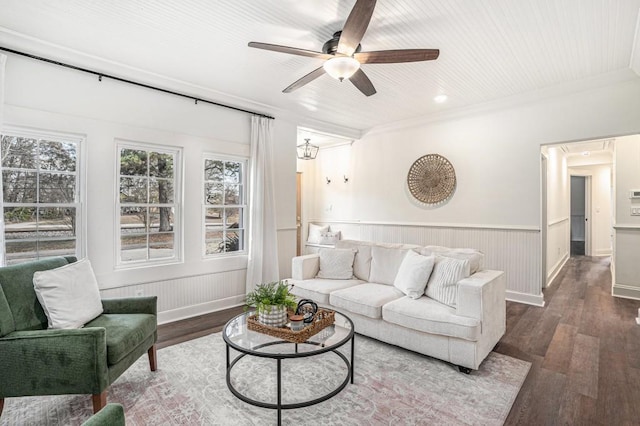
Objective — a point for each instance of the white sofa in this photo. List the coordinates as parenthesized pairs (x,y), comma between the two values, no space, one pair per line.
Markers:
(462,334)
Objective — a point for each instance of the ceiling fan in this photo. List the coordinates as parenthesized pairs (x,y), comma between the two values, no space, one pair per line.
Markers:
(342,53)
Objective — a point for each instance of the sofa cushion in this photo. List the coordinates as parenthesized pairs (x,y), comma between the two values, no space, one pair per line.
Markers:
(124,332)
(365,299)
(69,294)
(413,274)
(362,260)
(385,263)
(318,289)
(475,257)
(430,316)
(443,283)
(336,264)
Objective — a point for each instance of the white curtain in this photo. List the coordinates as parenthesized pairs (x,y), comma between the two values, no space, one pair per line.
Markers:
(263,243)
(3,61)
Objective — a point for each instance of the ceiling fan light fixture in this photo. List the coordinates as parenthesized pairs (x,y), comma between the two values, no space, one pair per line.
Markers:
(341,67)
(307,151)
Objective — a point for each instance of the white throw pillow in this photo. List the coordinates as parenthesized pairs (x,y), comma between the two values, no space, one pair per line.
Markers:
(315,231)
(385,263)
(362,261)
(329,238)
(69,295)
(413,274)
(336,264)
(443,284)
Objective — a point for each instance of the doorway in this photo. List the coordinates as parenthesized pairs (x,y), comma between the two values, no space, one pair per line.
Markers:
(298,214)
(579,205)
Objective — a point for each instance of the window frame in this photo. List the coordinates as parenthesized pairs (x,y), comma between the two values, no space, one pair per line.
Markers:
(79,203)
(244,183)
(178,205)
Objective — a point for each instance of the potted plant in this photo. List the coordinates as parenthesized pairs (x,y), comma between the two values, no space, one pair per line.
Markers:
(271,301)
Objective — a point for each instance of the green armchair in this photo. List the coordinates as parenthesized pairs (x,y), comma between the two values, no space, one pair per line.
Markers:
(110,415)
(35,360)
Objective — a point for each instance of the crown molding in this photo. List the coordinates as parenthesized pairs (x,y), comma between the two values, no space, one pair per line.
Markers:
(35,46)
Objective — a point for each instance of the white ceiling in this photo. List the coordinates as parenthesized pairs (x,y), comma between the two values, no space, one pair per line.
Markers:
(489,50)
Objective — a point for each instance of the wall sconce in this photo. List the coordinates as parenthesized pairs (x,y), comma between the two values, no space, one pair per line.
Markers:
(346,179)
(328,181)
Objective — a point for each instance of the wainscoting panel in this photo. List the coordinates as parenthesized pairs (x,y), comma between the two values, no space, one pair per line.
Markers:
(557,246)
(627,261)
(516,251)
(185,297)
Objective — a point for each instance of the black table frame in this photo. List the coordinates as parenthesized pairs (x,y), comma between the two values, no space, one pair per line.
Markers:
(279,357)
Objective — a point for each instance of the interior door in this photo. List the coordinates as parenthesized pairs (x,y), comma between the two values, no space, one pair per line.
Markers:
(578,215)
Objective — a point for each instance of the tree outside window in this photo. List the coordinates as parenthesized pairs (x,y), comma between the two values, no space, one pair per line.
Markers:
(41,205)
(224,206)
(147,204)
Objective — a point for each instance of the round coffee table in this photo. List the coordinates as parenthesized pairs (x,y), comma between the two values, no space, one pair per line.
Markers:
(248,342)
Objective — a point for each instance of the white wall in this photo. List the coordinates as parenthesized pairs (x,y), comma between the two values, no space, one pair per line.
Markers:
(51,98)
(627,228)
(496,156)
(558,219)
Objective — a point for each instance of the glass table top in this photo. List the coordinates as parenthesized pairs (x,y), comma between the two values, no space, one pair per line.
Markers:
(238,336)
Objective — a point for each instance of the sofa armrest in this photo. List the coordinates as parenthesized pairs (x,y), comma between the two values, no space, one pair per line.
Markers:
(131,305)
(482,296)
(305,267)
(53,362)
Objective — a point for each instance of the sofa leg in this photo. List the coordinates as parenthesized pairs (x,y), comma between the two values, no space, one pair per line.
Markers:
(465,370)
(1,405)
(153,360)
(99,401)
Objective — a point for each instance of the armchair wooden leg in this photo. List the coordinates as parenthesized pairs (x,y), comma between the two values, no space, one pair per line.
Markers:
(99,401)
(1,405)
(153,360)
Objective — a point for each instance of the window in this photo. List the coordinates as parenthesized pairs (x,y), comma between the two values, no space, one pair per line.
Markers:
(224,205)
(148,204)
(41,196)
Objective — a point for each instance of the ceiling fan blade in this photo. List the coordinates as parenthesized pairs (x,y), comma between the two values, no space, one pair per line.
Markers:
(304,80)
(362,82)
(355,26)
(396,56)
(289,50)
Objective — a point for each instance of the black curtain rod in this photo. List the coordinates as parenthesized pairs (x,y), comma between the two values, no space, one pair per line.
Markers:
(135,83)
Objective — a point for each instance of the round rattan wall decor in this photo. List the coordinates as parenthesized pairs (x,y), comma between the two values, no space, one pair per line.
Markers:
(431,179)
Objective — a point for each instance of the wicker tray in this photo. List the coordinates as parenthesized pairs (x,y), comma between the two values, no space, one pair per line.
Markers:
(322,319)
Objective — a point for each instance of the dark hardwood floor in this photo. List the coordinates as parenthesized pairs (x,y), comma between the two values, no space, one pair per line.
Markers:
(584,347)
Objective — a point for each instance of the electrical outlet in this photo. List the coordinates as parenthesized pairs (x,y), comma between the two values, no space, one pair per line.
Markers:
(139,293)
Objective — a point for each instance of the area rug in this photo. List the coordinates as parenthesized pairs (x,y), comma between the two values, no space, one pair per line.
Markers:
(392,387)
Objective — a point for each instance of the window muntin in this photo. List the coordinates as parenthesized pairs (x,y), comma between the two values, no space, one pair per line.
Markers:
(224,205)
(41,196)
(147,204)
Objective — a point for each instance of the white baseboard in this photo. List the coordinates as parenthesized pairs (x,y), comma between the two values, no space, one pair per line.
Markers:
(556,269)
(200,309)
(603,252)
(528,299)
(626,292)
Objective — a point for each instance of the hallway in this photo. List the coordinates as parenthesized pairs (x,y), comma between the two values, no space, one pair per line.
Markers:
(584,346)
